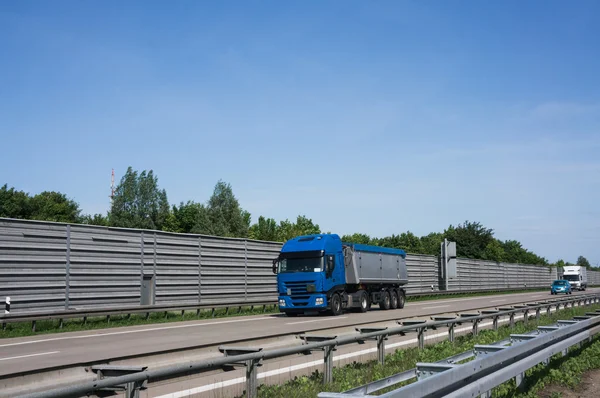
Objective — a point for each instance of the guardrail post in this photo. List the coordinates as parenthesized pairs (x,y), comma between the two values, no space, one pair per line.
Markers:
(252,378)
(421,337)
(451,333)
(519,380)
(495,323)
(381,348)
(328,359)
(548,310)
(526,316)
(475,327)
(132,390)
(537,313)
(512,319)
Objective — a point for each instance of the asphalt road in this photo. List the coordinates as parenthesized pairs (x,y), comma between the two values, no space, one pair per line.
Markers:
(69,349)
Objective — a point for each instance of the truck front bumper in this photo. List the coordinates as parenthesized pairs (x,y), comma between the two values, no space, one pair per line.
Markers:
(312,302)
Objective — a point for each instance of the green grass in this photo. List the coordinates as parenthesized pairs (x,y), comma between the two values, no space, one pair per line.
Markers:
(22,329)
(76,324)
(356,374)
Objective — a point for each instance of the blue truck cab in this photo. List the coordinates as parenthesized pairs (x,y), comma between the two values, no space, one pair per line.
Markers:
(319,273)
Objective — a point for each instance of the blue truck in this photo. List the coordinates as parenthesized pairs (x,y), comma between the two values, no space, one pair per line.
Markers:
(320,273)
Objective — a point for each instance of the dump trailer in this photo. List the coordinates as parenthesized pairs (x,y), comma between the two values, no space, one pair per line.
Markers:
(577,276)
(320,273)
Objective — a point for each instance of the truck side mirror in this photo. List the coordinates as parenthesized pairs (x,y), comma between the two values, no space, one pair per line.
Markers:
(330,264)
(275,266)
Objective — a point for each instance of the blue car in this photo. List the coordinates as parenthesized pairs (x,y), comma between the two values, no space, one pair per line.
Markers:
(561,286)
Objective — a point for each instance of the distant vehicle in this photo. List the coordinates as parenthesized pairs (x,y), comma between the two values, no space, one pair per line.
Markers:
(319,273)
(577,276)
(561,286)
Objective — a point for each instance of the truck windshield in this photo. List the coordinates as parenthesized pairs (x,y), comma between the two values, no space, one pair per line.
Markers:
(571,277)
(313,264)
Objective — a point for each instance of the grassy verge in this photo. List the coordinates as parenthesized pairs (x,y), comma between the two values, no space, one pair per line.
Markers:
(76,324)
(357,374)
(22,329)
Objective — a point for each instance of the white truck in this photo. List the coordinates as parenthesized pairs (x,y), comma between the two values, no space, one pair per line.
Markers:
(577,276)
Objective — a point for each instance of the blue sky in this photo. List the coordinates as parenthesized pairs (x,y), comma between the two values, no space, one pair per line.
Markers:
(375,117)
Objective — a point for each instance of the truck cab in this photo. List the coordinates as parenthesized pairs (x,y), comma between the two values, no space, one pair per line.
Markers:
(307,270)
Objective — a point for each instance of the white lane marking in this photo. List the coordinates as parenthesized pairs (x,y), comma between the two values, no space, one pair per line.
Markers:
(317,320)
(238,380)
(538,295)
(87,336)
(497,301)
(30,355)
(436,306)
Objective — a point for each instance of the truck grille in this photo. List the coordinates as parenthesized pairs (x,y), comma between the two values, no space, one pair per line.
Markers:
(299,294)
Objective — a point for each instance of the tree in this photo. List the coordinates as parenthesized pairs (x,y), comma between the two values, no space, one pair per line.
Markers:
(226,216)
(14,204)
(54,206)
(362,239)
(96,219)
(303,226)
(583,262)
(264,229)
(138,202)
(431,243)
(494,251)
(471,239)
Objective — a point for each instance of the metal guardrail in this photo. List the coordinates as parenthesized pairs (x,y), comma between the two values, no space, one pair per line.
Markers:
(33,317)
(493,364)
(252,357)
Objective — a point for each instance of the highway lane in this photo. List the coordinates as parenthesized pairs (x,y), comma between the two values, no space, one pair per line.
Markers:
(79,348)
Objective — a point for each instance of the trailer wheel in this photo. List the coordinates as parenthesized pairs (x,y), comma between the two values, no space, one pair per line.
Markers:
(401,299)
(385,300)
(364,302)
(336,304)
(393,299)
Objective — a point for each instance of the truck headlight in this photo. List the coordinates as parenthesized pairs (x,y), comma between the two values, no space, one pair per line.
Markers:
(319,301)
(281,302)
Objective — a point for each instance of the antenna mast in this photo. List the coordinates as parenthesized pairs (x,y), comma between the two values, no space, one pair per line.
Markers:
(112,186)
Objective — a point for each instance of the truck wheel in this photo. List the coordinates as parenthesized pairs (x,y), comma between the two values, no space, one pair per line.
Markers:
(401,299)
(393,299)
(336,304)
(364,302)
(385,300)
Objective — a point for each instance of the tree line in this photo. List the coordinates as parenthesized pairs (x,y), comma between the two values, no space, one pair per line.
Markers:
(138,202)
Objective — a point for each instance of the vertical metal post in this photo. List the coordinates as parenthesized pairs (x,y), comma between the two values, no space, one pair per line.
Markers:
(132,390)
(537,313)
(68,268)
(328,371)
(519,379)
(381,349)
(495,322)
(141,263)
(252,378)
(548,310)
(526,317)
(199,270)
(421,334)
(451,333)
(245,270)
(475,327)
(512,319)
(154,265)
(564,352)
